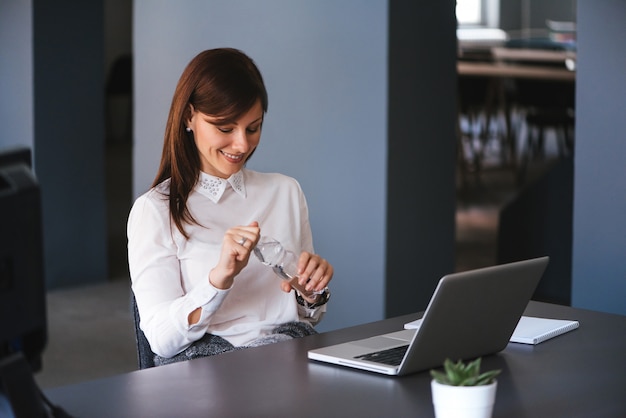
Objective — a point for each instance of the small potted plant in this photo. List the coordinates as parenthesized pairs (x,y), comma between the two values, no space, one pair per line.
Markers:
(462,391)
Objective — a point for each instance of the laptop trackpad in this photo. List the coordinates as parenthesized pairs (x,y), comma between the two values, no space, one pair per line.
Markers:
(386,341)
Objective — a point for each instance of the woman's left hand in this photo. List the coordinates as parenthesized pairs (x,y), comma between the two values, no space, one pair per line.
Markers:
(314,273)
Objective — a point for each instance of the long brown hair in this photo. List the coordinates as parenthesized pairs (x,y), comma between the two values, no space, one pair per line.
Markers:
(224,83)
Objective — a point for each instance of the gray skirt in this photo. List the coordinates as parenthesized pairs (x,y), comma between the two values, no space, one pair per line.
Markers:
(210,344)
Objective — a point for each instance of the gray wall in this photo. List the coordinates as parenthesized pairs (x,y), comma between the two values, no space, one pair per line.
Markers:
(599,266)
(325,66)
(16,74)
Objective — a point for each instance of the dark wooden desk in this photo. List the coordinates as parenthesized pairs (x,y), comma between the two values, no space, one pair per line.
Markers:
(579,374)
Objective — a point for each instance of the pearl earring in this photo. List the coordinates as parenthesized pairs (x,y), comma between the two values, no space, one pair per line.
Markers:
(188,129)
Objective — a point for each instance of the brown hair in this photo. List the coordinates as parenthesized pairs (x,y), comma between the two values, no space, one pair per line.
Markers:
(224,83)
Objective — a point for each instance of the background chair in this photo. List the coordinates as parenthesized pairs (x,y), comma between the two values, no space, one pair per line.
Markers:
(145,356)
(483,126)
(543,105)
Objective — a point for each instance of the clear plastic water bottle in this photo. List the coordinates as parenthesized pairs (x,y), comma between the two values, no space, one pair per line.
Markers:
(284,262)
(271,253)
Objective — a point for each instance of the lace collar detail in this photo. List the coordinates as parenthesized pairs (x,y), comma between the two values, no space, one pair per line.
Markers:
(214,187)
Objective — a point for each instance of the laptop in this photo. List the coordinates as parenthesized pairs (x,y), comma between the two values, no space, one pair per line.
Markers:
(470,314)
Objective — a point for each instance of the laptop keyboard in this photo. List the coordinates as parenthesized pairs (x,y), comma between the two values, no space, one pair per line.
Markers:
(390,356)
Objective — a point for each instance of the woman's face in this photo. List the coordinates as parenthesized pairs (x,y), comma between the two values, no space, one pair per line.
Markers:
(225,145)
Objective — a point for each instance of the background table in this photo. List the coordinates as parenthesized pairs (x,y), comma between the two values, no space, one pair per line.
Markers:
(532,87)
(579,374)
(503,70)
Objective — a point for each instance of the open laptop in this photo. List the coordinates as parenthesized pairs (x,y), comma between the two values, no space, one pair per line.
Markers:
(471,314)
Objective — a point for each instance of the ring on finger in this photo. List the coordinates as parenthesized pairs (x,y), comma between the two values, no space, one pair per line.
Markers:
(242,240)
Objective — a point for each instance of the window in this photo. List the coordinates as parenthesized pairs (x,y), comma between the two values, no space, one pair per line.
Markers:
(469,12)
(483,13)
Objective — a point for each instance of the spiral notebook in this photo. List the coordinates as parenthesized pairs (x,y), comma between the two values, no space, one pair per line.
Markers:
(531,330)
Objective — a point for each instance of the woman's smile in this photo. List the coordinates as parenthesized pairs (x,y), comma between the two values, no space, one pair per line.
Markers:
(232,157)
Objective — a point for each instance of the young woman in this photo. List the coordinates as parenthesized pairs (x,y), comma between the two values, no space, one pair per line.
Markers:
(191,235)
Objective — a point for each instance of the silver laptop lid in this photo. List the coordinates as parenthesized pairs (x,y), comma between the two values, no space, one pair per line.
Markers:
(473,313)
(470,314)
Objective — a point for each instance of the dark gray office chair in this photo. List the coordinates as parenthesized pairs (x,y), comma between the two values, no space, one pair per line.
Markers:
(207,346)
(145,356)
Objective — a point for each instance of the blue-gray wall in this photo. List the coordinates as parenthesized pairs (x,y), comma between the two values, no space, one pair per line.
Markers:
(16,74)
(325,67)
(599,250)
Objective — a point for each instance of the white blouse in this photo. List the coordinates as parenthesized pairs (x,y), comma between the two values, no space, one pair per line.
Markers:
(170,273)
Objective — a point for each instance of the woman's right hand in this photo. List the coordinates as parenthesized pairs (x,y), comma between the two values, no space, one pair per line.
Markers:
(237,246)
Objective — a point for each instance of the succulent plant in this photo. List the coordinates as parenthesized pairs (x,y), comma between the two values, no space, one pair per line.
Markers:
(463,374)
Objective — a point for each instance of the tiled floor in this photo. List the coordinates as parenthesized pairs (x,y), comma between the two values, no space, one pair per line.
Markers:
(90,328)
(90,334)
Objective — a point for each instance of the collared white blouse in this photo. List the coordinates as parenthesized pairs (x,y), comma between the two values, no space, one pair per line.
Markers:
(170,273)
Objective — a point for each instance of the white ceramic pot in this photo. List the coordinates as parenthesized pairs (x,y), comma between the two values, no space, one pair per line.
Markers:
(463,401)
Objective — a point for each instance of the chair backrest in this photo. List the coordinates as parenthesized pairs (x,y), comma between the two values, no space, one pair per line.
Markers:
(145,356)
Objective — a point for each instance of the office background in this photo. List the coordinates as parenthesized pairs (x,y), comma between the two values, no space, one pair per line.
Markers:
(378,79)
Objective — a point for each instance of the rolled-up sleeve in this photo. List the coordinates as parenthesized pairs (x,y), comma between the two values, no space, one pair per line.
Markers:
(164,306)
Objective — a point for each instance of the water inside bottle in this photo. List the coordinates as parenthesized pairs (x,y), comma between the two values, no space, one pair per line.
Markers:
(271,253)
